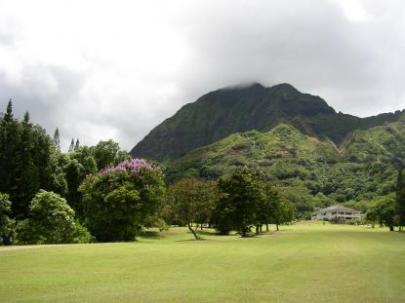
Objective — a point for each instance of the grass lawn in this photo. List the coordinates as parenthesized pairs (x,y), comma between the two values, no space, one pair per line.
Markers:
(306,262)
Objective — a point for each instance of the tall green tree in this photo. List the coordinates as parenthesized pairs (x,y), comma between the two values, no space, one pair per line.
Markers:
(242,195)
(6,223)
(107,153)
(268,208)
(193,201)
(74,174)
(78,165)
(400,199)
(28,179)
(10,135)
(77,145)
(383,212)
(56,139)
(27,162)
(71,146)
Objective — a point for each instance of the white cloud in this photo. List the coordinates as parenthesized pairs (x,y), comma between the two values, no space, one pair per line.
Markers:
(355,11)
(101,69)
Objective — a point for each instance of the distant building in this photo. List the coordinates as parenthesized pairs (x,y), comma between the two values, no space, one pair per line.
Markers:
(337,213)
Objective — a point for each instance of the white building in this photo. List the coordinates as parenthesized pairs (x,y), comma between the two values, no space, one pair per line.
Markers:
(337,213)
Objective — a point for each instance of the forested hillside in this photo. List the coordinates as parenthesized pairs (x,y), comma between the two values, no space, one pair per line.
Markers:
(308,170)
(223,112)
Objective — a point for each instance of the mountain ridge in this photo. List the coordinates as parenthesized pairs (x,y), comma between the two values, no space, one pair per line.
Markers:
(225,111)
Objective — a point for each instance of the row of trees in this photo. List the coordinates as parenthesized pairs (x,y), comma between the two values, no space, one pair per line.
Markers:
(241,202)
(99,192)
(390,210)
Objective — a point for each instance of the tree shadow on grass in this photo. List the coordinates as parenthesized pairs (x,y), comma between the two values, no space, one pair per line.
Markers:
(193,240)
(151,234)
(207,232)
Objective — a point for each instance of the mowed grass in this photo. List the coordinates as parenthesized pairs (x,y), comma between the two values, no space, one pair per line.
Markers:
(305,262)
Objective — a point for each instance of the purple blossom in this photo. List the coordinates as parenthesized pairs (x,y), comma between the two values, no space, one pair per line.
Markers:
(133,166)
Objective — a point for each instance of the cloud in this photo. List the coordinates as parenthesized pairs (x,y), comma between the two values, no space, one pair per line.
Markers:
(115,69)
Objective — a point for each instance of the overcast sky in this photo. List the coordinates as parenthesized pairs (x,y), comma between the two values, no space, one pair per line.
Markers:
(115,69)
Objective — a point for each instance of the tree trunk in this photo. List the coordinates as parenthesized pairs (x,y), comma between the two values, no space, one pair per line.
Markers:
(193,231)
(277,227)
(243,232)
(267,227)
(257,229)
(391,228)
(201,226)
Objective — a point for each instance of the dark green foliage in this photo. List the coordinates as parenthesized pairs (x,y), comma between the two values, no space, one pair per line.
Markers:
(221,113)
(77,166)
(107,153)
(275,209)
(56,139)
(118,203)
(241,197)
(222,217)
(74,174)
(400,199)
(382,211)
(28,162)
(305,168)
(77,145)
(7,232)
(192,201)
(51,220)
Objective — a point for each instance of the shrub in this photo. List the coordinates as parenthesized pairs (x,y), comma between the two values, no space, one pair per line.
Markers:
(6,223)
(51,220)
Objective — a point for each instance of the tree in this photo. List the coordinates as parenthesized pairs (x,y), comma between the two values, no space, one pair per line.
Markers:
(77,166)
(71,146)
(74,174)
(242,195)
(267,210)
(56,139)
(28,162)
(383,212)
(77,145)
(6,223)
(400,199)
(84,155)
(107,153)
(193,202)
(282,212)
(119,200)
(10,135)
(51,220)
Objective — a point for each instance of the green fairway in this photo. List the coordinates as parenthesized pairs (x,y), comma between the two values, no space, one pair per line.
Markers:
(302,263)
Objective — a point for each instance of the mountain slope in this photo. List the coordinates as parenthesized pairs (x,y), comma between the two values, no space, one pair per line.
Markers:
(218,114)
(309,171)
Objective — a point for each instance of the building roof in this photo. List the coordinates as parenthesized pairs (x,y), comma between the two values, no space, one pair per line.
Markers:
(339,208)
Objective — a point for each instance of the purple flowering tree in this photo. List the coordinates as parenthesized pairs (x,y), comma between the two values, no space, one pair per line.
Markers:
(120,199)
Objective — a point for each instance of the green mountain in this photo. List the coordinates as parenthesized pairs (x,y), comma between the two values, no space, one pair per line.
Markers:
(309,171)
(314,155)
(223,112)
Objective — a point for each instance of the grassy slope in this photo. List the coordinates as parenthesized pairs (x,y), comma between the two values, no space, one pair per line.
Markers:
(302,263)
